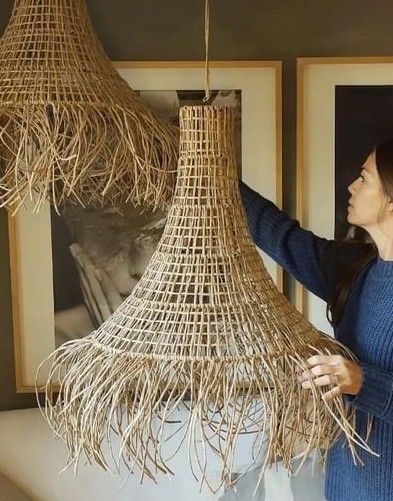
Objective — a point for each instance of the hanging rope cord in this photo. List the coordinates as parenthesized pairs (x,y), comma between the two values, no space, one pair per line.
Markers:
(207,68)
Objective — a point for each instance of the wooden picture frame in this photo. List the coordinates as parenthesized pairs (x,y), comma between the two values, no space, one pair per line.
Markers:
(30,234)
(320,86)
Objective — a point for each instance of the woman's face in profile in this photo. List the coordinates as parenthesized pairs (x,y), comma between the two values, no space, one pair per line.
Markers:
(368,199)
(119,241)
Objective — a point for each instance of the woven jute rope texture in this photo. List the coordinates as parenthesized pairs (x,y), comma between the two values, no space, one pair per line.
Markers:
(204,329)
(70,127)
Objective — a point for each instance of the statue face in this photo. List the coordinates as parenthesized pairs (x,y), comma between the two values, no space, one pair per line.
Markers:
(121,241)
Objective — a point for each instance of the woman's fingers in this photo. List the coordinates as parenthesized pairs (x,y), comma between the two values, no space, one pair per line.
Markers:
(334,392)
(316,371)
(325,380)
(323,370)
(343,374)
(324,360)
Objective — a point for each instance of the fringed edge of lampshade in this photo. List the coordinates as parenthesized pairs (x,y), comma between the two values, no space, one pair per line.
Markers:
(85,154)
(94,390)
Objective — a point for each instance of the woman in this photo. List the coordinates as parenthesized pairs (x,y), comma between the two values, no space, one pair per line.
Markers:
(356,281)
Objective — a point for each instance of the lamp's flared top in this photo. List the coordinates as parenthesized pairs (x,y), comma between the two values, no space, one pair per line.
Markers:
(50,53)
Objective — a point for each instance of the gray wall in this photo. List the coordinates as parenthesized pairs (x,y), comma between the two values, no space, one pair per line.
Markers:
(250,29)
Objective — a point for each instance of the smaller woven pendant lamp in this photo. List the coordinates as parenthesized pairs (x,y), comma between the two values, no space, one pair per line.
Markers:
(206,330)
(71,129)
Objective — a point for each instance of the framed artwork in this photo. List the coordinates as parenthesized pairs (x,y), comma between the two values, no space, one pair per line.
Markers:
(345,108)
(70,272)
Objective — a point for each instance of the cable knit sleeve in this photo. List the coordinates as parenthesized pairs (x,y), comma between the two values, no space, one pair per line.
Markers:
(298,251)
(376,393)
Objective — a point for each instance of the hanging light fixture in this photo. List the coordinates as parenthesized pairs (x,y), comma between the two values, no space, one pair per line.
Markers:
(70,127)
(204,330)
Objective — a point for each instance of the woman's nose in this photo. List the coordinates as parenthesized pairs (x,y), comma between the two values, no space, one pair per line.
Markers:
(351,187)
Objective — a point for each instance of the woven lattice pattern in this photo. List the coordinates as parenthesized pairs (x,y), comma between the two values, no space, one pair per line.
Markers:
(71,127)
(205,322)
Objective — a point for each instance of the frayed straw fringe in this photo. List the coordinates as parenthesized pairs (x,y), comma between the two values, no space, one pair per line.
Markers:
(103,390)
(90,155)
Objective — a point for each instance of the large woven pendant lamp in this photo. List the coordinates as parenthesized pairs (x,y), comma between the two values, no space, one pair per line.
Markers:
(204,329)
(70,127)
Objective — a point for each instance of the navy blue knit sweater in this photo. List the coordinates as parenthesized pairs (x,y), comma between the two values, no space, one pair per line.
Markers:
(366,328)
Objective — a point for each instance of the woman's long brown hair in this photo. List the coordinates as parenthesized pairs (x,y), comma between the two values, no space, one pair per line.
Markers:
(364,253)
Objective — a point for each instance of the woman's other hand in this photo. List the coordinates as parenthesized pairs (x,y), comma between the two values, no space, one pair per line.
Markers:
(340,374)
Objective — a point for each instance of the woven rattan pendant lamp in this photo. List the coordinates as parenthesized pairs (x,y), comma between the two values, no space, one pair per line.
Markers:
(70,126)
(205,328)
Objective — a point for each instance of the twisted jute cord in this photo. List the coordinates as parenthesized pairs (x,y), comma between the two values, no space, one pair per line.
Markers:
(204,331)
(207,65)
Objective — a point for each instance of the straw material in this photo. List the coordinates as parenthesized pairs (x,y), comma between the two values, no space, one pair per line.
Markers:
(70,126)
(205,329)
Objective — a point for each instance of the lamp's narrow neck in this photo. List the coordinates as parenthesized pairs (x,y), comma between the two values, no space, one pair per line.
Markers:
(207,162)
(206,130)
